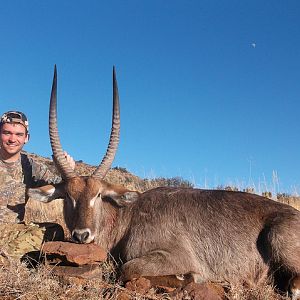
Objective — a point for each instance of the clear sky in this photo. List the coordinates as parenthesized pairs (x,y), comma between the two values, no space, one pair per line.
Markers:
(209,90)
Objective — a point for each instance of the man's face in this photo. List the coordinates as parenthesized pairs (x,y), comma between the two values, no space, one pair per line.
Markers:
(13,136)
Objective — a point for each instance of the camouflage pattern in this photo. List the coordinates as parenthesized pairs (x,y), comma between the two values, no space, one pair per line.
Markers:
(18,239)
(14,179)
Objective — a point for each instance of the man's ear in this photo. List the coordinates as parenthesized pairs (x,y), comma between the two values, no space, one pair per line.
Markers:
(27,138)
(47,193)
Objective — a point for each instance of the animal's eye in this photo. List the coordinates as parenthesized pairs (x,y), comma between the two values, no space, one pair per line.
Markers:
(70,198)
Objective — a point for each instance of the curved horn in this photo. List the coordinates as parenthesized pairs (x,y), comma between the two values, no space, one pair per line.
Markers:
(107,160)
(58,153)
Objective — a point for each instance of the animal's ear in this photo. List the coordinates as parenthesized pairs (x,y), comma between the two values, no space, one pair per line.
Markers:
(121,199)
(47,193)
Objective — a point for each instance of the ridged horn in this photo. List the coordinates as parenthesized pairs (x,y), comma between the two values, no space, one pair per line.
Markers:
(58,153)
(109,156)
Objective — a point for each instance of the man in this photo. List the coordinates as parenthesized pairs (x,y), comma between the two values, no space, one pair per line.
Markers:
(17,170)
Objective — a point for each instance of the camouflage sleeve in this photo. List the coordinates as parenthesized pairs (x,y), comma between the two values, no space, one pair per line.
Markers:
(38,174)
(12,199)
(41,175)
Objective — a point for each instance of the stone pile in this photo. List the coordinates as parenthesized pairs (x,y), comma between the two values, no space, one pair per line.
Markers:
(74,260)
(178,289)
(83,261)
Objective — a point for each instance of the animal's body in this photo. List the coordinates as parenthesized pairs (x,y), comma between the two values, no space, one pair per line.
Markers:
(215,235)
(219,235)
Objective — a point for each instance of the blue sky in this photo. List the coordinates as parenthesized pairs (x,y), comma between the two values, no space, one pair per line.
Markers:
(209,90)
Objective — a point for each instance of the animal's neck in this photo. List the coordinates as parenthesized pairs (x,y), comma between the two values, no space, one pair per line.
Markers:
(113,227)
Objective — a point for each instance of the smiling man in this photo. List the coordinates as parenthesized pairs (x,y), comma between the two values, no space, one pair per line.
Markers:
(14,134)
(17,170)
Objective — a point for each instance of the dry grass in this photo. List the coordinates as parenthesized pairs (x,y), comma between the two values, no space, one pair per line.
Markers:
(290,200)
(259,292)
(18,281)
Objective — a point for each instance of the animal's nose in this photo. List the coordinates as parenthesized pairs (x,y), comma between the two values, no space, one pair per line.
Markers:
(80,236)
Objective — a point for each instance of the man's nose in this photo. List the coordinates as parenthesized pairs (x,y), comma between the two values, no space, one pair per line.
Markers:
(12,138)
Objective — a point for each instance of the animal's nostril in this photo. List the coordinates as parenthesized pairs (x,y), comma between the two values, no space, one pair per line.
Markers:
(76,237)
(84,236)
(80,236)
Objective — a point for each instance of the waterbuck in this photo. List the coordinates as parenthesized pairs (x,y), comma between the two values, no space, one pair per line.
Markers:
(213,234)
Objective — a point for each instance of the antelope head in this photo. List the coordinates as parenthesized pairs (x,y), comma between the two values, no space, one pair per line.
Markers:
(90,203)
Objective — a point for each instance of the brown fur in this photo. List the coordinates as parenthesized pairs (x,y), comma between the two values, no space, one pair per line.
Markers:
(218,235)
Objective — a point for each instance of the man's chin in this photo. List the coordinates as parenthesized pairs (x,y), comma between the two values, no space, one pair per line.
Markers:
(11,151)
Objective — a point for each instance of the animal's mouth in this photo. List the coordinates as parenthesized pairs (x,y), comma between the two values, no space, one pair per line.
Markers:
(82,236)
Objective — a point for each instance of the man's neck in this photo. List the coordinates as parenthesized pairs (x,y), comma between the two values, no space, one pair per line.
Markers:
(6,157)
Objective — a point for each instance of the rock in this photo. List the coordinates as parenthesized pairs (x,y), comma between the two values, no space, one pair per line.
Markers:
(79,254)
(170,282)
(83,272)
(140,285)
(185,288)
(202,291)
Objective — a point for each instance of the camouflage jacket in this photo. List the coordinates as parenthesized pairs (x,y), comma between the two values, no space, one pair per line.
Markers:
(14,179)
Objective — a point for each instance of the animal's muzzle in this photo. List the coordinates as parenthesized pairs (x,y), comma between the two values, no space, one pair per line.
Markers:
(82,236)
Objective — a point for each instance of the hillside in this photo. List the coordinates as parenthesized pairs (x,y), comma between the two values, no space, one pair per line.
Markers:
(119,175)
